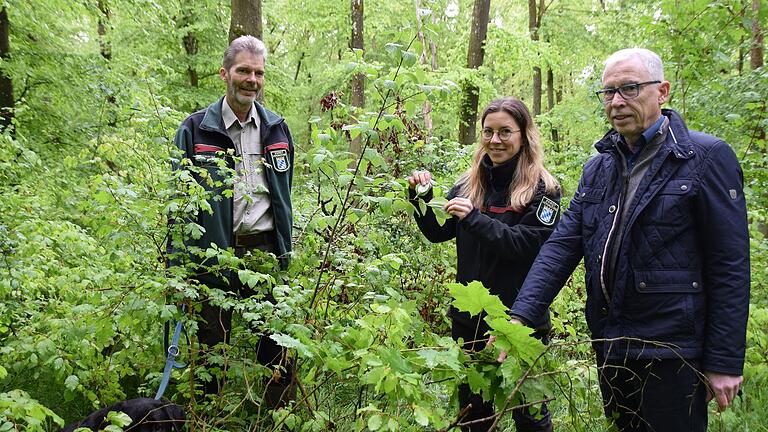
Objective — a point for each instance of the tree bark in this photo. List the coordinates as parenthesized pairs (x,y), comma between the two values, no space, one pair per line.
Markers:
(104,19)
(534,22)
(426,109)
(190,46)
(756,51)
(357,97)
(246,19)
(105,48)
(550,90)
(6,84)
(475,55)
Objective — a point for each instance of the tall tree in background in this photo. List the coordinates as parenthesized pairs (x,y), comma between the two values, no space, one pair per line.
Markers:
(6,85)
(246,19)
(357,96)
(475,55)
(426,109)
(190,45)
(105,48)
(756,52)
(103,24)
(756,58)
(535,13)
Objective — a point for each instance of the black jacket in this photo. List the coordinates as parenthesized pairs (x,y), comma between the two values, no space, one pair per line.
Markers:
(203,139)
(495,244)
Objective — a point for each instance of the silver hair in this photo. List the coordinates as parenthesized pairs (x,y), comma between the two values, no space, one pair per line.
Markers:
(648,58)
(244,43)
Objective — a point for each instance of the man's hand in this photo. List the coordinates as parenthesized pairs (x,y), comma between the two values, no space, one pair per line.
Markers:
(459,207)
(492,339)
(723,388)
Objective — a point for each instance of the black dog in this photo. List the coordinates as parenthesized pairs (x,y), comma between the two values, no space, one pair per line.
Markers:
(148,415)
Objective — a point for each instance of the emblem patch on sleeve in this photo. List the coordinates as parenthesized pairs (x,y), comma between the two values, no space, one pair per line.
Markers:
(280,160)
(547,211)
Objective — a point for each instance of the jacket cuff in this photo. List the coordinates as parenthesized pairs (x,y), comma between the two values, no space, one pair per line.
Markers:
(723,364)
(523,320)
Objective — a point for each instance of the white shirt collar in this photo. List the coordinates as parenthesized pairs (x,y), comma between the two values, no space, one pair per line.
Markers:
(230,118)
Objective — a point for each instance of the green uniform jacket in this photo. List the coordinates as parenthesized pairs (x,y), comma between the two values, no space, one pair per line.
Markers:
(202,138)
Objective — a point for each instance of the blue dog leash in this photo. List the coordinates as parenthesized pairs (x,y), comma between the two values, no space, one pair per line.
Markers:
(173,352)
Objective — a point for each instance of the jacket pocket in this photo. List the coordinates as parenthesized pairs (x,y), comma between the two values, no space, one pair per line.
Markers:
(591,201)
(661,304)
(668,281)
(669,206)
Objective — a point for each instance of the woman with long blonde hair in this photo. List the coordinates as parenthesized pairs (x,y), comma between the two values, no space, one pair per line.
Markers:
(502,210)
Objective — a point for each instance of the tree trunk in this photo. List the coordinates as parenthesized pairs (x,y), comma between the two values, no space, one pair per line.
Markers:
(534,20)
(246,19)
(756,60)
(105,48)
(190,46)
(551,102)
(357,97)
(104,19)
(756,52)
(433,45)
(6,85)
(550,90)
(426,109)
(475,55)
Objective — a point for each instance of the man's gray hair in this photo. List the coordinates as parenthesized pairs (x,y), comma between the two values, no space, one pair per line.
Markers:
(648,58)
(244,43)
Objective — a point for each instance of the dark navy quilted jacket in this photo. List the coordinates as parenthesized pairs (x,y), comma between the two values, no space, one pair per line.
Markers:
(681,283)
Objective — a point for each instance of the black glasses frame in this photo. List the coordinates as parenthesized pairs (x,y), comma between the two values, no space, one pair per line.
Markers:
(627,91)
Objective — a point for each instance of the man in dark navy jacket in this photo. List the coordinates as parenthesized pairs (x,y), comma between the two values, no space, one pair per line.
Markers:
(659,218)
(249,212)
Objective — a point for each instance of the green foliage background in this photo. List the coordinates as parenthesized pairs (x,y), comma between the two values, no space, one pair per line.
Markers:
(85,187)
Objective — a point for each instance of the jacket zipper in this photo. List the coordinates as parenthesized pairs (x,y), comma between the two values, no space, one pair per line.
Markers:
(610,237)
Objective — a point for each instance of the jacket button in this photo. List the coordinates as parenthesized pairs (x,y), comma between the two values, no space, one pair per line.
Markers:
(611,209)
(604,311)
(684,187)
(583,194)
(642,285)
(695,284)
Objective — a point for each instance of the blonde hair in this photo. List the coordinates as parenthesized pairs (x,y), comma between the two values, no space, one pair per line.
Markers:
(530,164)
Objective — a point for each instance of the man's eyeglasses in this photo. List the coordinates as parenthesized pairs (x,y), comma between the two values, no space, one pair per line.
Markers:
(504,134)
(627,91)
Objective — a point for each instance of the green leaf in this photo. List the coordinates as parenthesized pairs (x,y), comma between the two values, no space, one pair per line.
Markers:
(409,59)
(374,422)
(477,381)
(515,339)
(421,415)
(71,382)
(287,341)
(474,298)
(119,418)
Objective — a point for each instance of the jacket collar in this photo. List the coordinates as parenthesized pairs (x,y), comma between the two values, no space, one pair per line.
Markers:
(213,119)
(499,175)
(678,140)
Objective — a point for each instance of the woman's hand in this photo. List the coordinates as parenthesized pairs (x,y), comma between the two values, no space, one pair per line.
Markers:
(459,207)
(423,178)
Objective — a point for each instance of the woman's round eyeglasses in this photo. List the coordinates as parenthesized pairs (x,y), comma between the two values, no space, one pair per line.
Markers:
(504,133)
